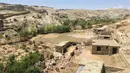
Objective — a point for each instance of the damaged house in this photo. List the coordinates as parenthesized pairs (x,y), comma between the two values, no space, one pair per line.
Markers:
(62,46)
(103,33)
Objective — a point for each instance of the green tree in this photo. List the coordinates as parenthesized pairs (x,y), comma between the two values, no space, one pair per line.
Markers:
(74,23)
(53,29)
(33,69)
(66,22)
(1,68)
(32,59)
(25,34)
(82,23)
(25,65)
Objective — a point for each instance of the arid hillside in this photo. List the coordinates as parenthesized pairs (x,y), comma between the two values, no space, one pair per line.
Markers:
(43,39)
(106,13)
(48,15)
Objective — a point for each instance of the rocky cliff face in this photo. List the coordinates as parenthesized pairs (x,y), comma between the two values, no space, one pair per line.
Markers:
(41,15)
(32,18)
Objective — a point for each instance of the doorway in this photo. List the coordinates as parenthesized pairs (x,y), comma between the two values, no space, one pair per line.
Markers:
(114,50)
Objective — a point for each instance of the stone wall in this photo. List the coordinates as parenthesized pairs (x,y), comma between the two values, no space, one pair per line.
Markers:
(63,48)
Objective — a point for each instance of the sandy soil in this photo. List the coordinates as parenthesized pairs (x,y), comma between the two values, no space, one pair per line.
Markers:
(51,36)
(86,54)
(85,34)
(55,38)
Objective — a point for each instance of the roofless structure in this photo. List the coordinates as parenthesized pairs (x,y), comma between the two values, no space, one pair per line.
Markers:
(91,66)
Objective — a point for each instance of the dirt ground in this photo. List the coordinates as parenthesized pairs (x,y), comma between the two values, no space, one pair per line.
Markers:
(86,54)
(54,38)
(78,36)
(81,36)
(112,61)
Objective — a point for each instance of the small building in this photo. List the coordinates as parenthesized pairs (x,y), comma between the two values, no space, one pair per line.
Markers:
(62,47)
(106,34)
(98,30)
(105,47)
(102,33)
(91,66)
(102,30)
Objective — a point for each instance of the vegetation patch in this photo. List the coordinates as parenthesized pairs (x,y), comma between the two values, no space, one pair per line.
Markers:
(53,29)
(28,64)
(88,23)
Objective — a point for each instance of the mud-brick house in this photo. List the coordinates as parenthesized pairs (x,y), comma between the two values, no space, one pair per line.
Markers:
(98,30)
(105,47)
(91,66)
(103,33)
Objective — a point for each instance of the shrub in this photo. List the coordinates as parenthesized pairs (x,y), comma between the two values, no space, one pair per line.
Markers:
(62,29)
(33,69)
(89,24)
(32,59)
(33,33)
(74,23)
(25,34)
(1,68)
(11,60)
(66,22)
(26,65)
(82,23)
(41,30)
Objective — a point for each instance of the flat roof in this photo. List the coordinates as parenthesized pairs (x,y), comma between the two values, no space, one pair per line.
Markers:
(105,42)
(90,66)
(63,43)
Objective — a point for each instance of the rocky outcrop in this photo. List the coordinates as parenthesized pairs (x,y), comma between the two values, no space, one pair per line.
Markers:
(16,14)
(13,7)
